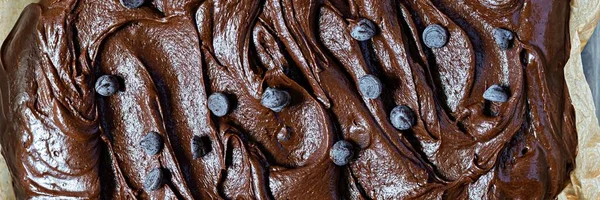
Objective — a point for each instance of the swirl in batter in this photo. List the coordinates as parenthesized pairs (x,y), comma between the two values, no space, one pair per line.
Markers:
(62,139)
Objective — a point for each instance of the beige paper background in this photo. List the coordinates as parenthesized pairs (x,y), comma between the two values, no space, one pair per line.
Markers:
(585,180)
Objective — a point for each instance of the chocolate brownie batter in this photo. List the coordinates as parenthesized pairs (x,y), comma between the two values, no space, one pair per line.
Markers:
(287,76)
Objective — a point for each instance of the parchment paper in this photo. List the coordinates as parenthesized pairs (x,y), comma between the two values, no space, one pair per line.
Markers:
(585,180)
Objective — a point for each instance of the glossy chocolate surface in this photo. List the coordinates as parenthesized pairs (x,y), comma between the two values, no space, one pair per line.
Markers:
(61,139)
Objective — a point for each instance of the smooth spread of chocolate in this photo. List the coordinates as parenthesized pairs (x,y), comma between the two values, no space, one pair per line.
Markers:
(288,99)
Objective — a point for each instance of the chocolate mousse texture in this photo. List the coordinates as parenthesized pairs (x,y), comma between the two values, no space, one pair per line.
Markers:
(288,99)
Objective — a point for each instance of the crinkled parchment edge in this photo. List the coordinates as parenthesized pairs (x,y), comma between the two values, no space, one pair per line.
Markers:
(585,180)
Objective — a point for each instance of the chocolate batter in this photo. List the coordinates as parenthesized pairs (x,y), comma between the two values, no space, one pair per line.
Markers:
(62,139)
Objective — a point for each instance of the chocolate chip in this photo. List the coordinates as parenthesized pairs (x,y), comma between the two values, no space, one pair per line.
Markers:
(341,153)
(435,36)
(370,86)
(495,93)
(402,118)
(283,136)
(503,37)
(364,30)
(152,143)
(107,85)
(131,4)
(200,146)
(218,104)
(275,99)
(154,180)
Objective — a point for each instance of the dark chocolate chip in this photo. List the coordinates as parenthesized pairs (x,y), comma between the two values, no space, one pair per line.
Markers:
(435,36)
(402,118)
(154,180)
(152,143)
(107,85)
(200,146)
(218,104)
(370,86)
(275,99)
(131,4)
(364,30)
(503,37)
(341,153)
(495,93)
(283,136)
